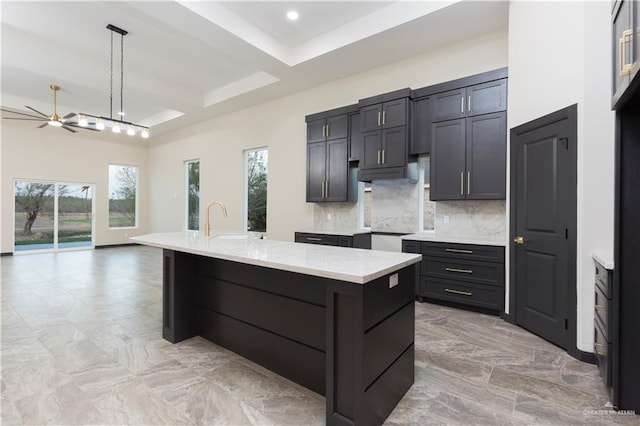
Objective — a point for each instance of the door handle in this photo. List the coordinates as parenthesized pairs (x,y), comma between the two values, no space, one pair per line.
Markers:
(519,240)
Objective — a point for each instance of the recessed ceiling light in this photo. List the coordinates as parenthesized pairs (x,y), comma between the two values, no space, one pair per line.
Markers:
(292,15)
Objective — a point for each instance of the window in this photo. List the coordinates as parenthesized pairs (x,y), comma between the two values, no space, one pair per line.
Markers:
(256,184)
(192,171)
(123,186)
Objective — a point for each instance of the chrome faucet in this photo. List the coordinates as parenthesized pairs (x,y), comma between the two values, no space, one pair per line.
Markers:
(207,226)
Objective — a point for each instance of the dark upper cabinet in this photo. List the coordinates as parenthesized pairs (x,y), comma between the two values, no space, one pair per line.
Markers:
(626,48)
(420,142)
(486,97)
(371,146)
(384,115)
(486,152)
(469,158)
(355,137)
(447,160)
(322,129)
(385,148)
(329,176)
(327,171)
(449,105)
(472,100)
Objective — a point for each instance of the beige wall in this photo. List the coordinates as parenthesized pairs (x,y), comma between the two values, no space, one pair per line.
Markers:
(54,155)
(280,126)
(559,55)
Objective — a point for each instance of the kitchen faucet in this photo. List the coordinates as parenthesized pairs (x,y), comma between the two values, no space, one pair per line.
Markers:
(207,226)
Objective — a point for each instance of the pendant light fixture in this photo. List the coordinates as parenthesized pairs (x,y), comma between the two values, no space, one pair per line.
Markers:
(117,124)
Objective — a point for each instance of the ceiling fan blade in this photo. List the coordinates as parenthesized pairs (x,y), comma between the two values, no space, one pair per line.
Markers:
(69,129)
(82,127)
(68,116)
(27,119)
(19,113)
(46,123)
(35,110)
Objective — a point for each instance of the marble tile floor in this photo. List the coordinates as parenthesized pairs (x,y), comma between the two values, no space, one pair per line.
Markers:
(81,344)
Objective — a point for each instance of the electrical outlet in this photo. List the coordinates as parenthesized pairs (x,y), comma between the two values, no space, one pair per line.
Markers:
(393,280)
(446,219)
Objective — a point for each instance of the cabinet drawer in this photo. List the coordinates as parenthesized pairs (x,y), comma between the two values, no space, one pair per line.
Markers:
(409,246)
(464,270)
(602,349)
(464,251)
(603,312)
(327,240)
(489,297)
(603,280)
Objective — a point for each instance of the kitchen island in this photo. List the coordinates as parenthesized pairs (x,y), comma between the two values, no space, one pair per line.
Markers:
(339,321)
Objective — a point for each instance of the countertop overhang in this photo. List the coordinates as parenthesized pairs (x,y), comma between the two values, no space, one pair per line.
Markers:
(358,266)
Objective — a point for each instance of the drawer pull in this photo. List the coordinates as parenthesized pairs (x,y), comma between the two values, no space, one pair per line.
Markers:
(450,250)
(314,239)
(464,293)
(462,271)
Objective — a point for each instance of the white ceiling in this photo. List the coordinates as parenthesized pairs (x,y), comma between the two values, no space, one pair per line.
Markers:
(186,62)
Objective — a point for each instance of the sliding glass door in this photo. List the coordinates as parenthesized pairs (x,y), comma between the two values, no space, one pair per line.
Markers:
(52,216)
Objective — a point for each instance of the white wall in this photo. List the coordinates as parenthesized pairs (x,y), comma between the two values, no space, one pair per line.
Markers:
(54,155)
(280,126)
(559,55)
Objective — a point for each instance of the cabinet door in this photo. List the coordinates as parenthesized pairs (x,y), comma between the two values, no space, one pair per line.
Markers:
(447,160)
(394,113)
(448,105)
(355,137)
(371,118)
(337,127)
(316,130)
(486,157)
(316,155)
(487,97)
(371,146)
(394,147)
(337,170)
(622,46)
(421,135)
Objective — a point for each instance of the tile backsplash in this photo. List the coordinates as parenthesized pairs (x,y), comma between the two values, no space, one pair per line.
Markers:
(394,207)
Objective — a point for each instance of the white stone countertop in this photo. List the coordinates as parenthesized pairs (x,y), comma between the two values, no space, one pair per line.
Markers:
(342,232)
(432,236)
(341,263)
(603,258)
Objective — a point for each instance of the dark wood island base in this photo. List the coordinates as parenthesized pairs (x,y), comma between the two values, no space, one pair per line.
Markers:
(353,343)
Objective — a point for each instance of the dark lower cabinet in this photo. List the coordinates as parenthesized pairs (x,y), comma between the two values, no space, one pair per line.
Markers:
(463,274)
(355,241)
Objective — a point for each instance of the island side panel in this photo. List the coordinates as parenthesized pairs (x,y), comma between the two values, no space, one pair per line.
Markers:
(370,347)
(275,318)
(179,320)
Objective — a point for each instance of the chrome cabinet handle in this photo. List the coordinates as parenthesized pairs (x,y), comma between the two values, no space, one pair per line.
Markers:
(324,131)
(314,239)
(469,103)
(326,189)
(378,156)
(464,293)
(384,117)
(450,250)
(462,105)
(461,271)
(327,131)
(378,118)
(461,183)
(383,157)
(468,183)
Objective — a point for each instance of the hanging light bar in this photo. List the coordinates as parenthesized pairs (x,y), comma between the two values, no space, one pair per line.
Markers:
(117,124)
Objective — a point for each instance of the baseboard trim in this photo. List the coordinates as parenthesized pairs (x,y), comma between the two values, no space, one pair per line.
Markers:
(116,245)
(508,318)
(588,357)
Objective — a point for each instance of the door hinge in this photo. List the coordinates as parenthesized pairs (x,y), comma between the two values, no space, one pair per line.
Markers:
(566,233)
(566,323)
(566,142)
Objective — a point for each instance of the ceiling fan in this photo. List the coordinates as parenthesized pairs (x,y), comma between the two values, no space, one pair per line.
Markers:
(49,120)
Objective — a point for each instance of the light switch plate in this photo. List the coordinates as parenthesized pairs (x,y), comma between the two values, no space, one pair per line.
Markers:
(393,280)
